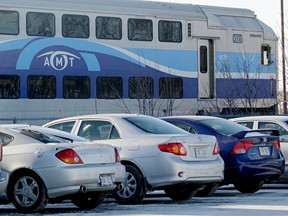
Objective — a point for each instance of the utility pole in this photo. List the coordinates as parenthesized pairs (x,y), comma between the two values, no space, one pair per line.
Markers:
(283,59)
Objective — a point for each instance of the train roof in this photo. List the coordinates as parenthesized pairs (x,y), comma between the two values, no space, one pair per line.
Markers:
(217,17)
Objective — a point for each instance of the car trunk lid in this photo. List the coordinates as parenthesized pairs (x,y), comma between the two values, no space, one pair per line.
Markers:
(258,144)
(94,153)
(198,147)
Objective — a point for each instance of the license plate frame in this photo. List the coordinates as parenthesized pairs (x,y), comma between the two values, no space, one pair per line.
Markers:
(200,152)
(264,151)
(106,180)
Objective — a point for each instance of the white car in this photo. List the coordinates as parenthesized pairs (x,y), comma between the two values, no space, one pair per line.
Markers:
(279,123)
(3,175)
(157,155)
(47,165)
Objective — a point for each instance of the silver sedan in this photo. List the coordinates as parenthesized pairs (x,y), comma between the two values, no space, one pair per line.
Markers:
(157,155)
(3,175)
(47,165)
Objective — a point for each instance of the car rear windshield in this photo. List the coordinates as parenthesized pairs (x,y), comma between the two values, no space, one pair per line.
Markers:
(42,137)
(223,126)
(154,125)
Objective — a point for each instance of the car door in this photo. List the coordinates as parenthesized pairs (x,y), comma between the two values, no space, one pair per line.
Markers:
(4,176)
(101,131)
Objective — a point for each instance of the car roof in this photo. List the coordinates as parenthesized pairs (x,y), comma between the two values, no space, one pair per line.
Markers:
(267,117)
(191,117)
(91,116)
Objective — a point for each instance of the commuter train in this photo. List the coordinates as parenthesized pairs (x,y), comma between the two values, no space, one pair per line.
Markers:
(69,57)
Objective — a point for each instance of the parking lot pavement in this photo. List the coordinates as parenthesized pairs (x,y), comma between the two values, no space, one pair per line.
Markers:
(272,200)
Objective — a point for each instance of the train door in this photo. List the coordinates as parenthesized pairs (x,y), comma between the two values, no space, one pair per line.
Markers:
(206,72)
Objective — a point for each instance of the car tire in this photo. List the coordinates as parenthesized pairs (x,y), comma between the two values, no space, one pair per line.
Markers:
(207,190)
(27,192)
(133,190)
(88,200)
(180,193)
(248,187)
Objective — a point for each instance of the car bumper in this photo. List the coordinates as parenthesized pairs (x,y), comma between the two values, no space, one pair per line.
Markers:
(166,171)
(4,177)
(262,170)
(69,180)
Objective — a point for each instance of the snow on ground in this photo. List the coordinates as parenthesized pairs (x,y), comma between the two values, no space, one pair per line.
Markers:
(266,202)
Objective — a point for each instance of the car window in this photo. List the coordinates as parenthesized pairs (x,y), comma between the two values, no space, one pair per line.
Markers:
(224,126)
(98,130)
(64,126)
(5,139)
(272,125)
(185,127)
(154,125)
(246,124)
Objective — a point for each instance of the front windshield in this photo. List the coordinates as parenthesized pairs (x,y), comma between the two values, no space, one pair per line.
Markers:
(224,126)
(154,125)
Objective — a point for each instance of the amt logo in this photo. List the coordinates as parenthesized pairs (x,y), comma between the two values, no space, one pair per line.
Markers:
(58,60)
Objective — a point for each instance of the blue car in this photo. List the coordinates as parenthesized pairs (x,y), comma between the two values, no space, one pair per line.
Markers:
(252,157)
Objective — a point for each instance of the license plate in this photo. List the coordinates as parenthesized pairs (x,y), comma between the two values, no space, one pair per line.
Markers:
(106,180)
(264,151)
(200,152)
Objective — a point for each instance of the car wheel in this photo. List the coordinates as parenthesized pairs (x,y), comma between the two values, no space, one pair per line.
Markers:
(248,187)
(207,190)
(133,190)
(88,200)
(27,192)
(179,193)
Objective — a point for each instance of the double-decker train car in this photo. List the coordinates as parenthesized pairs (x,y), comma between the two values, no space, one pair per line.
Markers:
(69,57)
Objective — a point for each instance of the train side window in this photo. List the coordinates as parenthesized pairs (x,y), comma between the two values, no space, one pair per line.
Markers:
(266,55)
(75,26)
(109,87)
(171,87)
(141,87)
(108,28)
(9,87)
(140,29)
(203,59)
(76,87)
(170,31)
(9,22)
(41,87)
(40,24)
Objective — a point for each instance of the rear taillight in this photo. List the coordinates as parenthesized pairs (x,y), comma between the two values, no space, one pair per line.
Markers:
(117,155)
(174,148)
(69,156)
(276,143)
(242,147)
(216,149)
(1,152)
